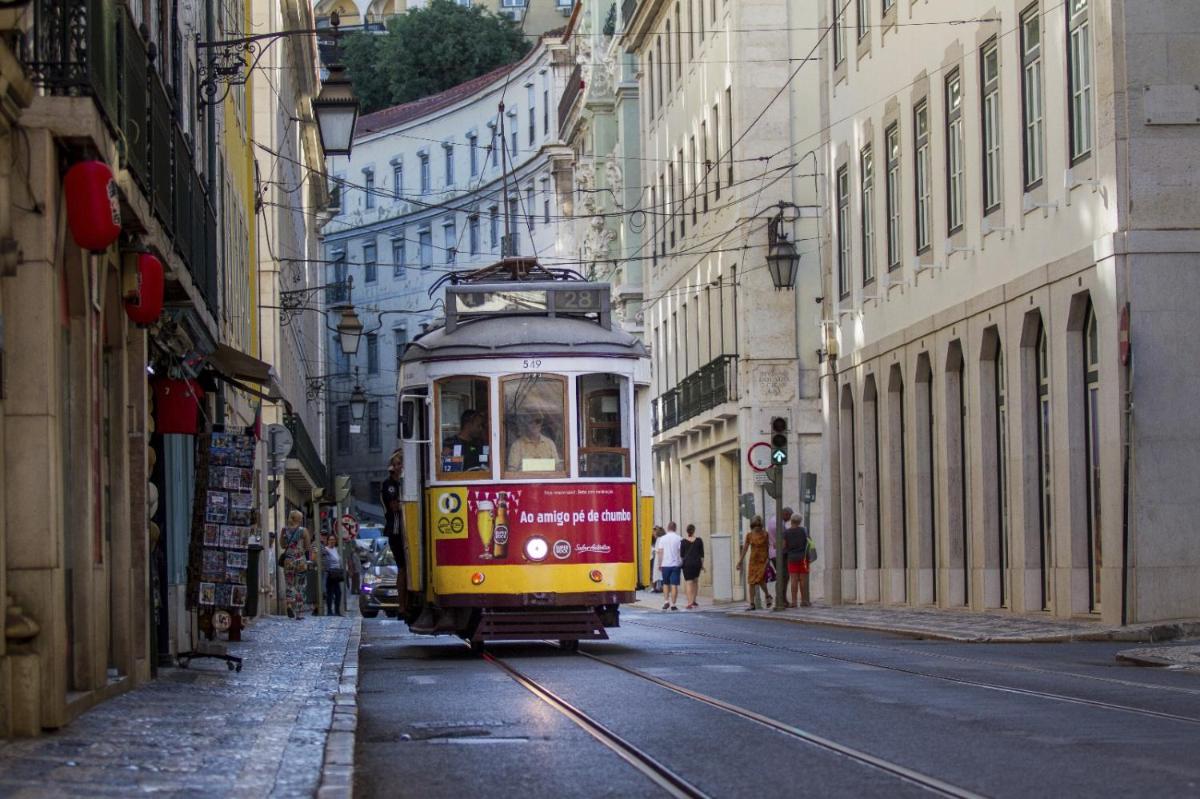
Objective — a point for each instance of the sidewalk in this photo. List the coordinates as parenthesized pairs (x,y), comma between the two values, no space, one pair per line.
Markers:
(946,624)
(282,727)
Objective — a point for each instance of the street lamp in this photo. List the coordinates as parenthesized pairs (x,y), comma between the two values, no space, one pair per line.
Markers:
(782,259)
(349,329)
(358,404)
(336,110)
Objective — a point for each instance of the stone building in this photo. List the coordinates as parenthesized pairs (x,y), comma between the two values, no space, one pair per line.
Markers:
(725,138)
(432,187)
(1011,245)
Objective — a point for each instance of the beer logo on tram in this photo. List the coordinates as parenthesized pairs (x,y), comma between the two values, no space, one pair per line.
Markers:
(562,549)
(449,503)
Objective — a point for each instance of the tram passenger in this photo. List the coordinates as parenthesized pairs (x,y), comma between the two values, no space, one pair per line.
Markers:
(468,450)
(389,494)
(533,448)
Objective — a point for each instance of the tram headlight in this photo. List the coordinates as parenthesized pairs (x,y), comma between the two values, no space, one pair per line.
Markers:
(596,575)
(536,548)
(477,578)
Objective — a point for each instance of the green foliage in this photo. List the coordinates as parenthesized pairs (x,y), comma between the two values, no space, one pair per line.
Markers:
(428,50)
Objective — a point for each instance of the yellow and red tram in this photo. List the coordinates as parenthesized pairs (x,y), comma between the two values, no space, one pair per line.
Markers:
(527,488)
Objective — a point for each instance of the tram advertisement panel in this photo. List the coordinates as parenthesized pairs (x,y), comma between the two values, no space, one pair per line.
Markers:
(528,523)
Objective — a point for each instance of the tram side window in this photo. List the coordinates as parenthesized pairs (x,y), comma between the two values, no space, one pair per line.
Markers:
(462,423)
(534,425)
(604,427)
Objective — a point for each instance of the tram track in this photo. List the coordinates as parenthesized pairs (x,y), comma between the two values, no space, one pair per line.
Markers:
(674,783)
(1029,692)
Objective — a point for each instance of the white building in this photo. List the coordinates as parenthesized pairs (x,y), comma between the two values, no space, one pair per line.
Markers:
(724,141)
(998,193)
(428,190)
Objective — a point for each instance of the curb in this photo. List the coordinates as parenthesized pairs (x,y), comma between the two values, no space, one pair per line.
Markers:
(337,769)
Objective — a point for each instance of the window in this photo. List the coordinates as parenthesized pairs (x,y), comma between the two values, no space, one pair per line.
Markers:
(989,75)
(658,76)
(398,181)
(1033,138)
(839,34)
(545,105)
(512,150)
(1091,423)
(450,237)
(449,150)
(546,200)
(1045,470)
(678,42)
(667,66)
(650,81)
(529,207)
(891,141)
(532,123)
(923,179)
(374,439)
(604,429)
(654,212)
(887,5)
(695,172)
(664,220)
(843,230)
(425,246)
(399,255)
(473,234)
(463,424)
(424,157)
(370,263)
(954,152)
(494,147)
(494,226)
(700,19)
(866,163)
(729,136)
(533,425)
(337,292)
(704,165)
(862,8)
(1079,78)
(671,203)
(473,153)
(716,126)
(400,336)
(691,30)
(681,197)
(514,238)
(343,429)
(368,188)
(372,354)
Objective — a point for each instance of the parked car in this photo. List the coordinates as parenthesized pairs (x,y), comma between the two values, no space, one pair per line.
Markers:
(370,543)
(378,591)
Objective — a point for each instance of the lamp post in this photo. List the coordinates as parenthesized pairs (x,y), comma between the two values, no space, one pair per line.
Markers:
(349,330)
(336,110)
(782,259)
(358,404)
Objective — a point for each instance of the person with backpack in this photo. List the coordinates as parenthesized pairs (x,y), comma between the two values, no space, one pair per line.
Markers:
(796,546)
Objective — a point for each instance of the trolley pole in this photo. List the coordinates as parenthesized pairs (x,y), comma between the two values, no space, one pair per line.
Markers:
(780,553)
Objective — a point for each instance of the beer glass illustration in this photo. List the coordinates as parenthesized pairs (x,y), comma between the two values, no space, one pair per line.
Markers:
(485,520)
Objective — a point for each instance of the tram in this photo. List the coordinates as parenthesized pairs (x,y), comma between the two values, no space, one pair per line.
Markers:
(526,487)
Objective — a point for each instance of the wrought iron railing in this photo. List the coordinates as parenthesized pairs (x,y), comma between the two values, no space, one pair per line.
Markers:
(304,451)
(162,177)
(704,389)
(570,94)
(135,101)
(71,50)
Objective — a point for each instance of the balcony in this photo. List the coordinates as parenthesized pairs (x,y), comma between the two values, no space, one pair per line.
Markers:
(570,94)
(305,451)
(711,385)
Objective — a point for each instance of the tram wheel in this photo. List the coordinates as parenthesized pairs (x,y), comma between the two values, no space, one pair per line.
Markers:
(571,645)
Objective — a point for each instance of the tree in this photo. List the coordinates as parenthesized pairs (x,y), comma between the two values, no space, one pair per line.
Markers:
(428,50)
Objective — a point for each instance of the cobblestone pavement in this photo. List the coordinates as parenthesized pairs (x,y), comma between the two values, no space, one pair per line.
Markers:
(203,731)
(947,624)
(1175,656)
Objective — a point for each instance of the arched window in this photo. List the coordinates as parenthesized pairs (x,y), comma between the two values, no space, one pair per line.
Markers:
(1045,470)
(1091,413)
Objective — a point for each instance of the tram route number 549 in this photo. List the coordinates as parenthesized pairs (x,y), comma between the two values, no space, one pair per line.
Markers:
(531,363)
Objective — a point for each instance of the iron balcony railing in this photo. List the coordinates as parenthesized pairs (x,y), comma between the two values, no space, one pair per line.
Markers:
(570,94)
(711,385)
(304,451)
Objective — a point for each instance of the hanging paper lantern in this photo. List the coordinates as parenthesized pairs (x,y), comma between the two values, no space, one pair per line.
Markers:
(93,208)
(177,405)
(145,302)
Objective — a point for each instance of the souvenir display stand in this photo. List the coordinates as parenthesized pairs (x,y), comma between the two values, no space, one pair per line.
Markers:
(223,520)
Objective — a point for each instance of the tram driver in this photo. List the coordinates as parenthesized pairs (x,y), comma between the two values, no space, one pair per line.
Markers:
(468,450)
(533,451)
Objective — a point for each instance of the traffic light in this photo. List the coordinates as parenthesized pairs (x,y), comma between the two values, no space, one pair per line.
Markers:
(779,440)
(272,492)
(748,506)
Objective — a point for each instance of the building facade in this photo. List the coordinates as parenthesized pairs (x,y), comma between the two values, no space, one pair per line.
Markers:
(535,17)
(432,187)
(1010,248)
(726,135)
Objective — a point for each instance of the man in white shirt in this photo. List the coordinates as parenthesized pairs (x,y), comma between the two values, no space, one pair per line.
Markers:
(667,553)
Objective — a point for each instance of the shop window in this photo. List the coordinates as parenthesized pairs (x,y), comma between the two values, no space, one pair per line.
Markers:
(535,415)
(463,428)
(603,426)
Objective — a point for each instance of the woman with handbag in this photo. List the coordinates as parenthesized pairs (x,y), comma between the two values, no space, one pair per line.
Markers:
(334,575)
(294,545)
(756,573)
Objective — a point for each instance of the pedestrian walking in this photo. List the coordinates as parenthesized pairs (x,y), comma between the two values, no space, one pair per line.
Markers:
(795,544)
(296,547)
(692,554)
(772,538)
(335,574)
(756,572)
(655,561)
(672,565)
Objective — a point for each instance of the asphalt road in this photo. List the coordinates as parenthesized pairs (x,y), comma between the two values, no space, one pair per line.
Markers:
(995,720)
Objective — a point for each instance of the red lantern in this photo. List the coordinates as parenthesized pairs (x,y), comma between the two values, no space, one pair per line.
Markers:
(144,299)
(177,406)
(93,208)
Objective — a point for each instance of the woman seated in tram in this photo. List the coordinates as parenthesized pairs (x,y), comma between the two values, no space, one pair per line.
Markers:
(533,451)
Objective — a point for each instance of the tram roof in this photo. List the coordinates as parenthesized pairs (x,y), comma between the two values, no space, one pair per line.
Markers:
(514,334)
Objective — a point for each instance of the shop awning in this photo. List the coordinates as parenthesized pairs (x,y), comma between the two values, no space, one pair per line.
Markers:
(237,368)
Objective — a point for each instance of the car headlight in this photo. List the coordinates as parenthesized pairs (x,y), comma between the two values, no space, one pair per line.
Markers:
(536,548)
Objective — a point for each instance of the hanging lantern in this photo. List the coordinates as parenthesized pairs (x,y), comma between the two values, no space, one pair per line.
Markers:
(144,288)
(93,208)
(177,406)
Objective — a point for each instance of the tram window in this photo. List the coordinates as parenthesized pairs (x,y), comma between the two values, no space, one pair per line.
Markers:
(534,425)
(603,426)
(462,426)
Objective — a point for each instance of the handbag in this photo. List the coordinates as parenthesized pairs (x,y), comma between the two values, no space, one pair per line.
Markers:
(769,575)
(811,551)
(337,575)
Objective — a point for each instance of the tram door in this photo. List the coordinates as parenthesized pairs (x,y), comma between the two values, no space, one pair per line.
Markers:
(414,440)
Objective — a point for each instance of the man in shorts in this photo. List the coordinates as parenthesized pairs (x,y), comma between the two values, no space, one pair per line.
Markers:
(795,545)
(671,565)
